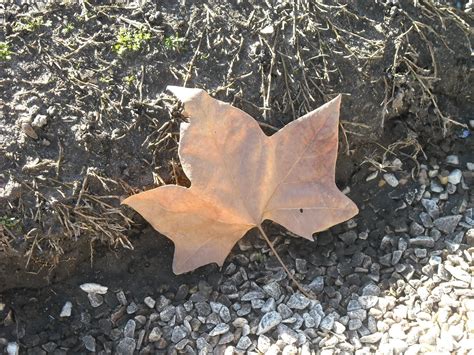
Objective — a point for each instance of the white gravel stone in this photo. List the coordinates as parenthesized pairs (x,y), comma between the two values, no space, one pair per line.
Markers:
(150,302)
(66,310)
(391,179)
(455,176)
(263,343)
(13,348)
(94,288)
(372,338)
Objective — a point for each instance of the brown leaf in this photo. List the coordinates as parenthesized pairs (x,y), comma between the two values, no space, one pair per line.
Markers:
(241,177)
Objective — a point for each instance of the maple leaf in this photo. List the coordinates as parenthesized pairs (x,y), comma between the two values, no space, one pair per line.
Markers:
(241,177)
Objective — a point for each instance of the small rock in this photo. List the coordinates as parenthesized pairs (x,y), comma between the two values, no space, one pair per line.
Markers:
(40,121)
(420,253)
(349,237)
(178,334)
(436,187)
(132,308)
(391,180)
(470,237)
(273,290)
(94,288)
(431,207)
(396,256)
(423,241)
(244,343)
(129,329)
(288,335)
(447,224)
(298,301)
(263,343)
(371,290)
(455,176)
(126,346)
(66,310)
(150,302)
(372,338)
(13,348)
(252,295)
(327,323)
(95,300)
(219,329)
(269,306)
(155,334)
(354,324)
(458,273)
(301,266)
(338,328)
(89,342)
(168,313)
(435,260)
(416,229)
(452,160)
(269,321)
(317,285)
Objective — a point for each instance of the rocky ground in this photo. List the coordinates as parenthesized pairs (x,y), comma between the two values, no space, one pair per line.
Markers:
(398,278)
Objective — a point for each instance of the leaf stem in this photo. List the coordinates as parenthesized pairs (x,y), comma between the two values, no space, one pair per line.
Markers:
(270,244)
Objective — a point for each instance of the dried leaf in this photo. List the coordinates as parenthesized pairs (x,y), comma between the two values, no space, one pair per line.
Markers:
(241,177)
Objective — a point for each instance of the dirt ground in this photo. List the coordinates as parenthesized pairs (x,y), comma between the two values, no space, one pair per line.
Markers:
(86,120)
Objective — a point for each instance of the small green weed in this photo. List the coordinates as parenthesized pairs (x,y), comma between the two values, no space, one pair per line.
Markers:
(129,79)
(67,29)
(129,40)
(29,24)
(9,222)
(5,52)
(174,43)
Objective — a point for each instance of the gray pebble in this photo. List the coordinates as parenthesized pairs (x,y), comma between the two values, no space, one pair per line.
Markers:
(354,324)
(252,295)
(132,308)
(178,333)
(349,237)
(129,329)
(317,285)
(422,241)
(89,342)
(126,346)
(447,224)
(327,323)
(219,329)
(269,321)
(298,301)
(244,343)
(273,290)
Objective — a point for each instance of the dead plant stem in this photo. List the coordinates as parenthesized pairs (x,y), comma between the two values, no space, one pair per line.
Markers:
(270,244)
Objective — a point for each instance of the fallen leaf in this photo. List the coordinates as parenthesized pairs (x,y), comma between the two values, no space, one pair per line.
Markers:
(241,177)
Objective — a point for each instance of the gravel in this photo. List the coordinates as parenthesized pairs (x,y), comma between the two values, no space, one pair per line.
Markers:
(401,285)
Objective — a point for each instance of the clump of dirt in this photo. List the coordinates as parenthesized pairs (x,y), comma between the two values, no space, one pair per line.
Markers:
(85,118)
